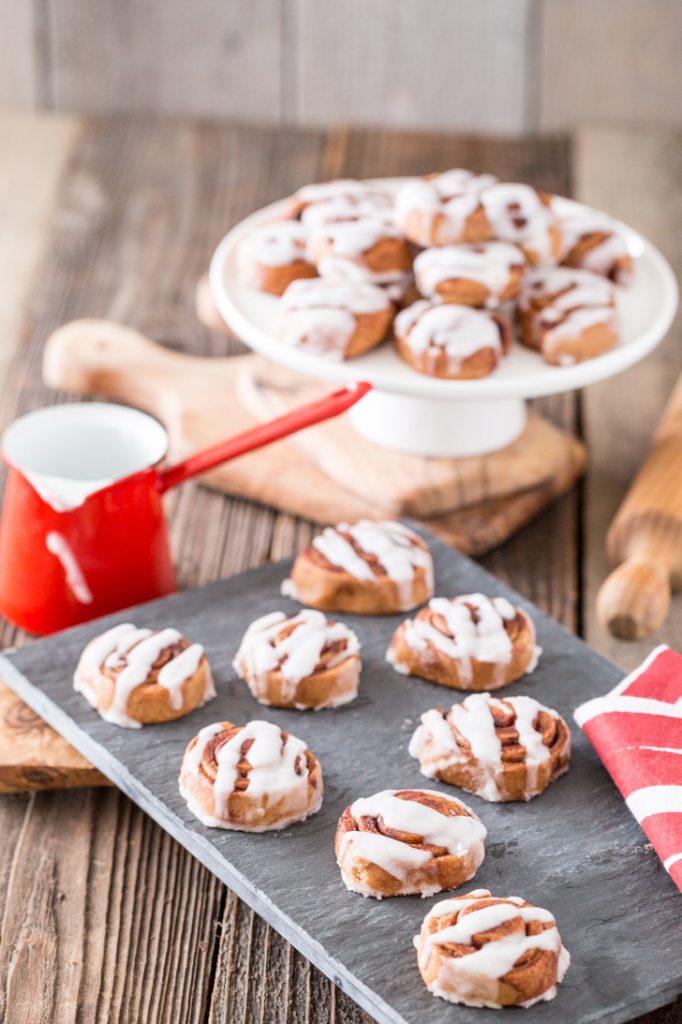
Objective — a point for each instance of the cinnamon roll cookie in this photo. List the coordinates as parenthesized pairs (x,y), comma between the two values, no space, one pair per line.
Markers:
(334,318)
(484,950)
(274,255)
(443,209)
(568,315)
(517,213)
(451,341)
(136,677)
(300,661)
(500,749)
(367,568)
(590,242)
(471,642)
(356,238)
(251,778)
(326,191)
(408,842)
(479,274)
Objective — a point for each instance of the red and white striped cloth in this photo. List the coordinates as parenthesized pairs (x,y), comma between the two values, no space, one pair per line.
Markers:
(637,731)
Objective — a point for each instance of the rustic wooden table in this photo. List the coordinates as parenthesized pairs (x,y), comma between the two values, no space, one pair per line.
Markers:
(104,917)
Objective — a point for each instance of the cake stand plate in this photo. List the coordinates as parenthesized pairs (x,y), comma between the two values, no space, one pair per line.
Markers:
(414,413)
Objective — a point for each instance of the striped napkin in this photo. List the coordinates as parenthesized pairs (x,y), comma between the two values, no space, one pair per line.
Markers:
(637,731)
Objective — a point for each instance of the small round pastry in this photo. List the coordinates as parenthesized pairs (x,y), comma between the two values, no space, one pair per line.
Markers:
(367,568)
(356,238)
(500,749)
(250,778)
(334,318)
(274,255)
(443,209)
(408,842)
(323,191)
(478,274)
(590,242)
(484,950)
(568,315)
(136,677)
(451,341)
(517,213)
(471,642)
(300,661)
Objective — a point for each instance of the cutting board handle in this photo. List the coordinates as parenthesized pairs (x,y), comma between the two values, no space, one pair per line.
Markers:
(102,357)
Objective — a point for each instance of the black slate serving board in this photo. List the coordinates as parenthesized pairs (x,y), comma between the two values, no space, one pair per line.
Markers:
(575,850)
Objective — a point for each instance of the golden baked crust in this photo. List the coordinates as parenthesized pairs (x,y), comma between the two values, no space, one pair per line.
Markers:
(423,657)
(319,582)
(101,677)
(526,970)
(501,749)
(297,795)
(439,866)
(567,315)
(440,358)
(301,661)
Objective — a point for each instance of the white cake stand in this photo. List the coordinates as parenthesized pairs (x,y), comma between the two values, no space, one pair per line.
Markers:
(414,413)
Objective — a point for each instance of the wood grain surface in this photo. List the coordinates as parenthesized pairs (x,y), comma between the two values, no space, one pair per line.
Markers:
(104,918)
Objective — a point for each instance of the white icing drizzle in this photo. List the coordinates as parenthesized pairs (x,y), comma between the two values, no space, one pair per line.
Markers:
(484,640)
(319,314)
(322,190)
(473,979)
(295,656)
(569,302)
(516,214)
(130,653)
(57,544)
(458,331)
(279,769)
(453,194)
(488,263)
(396,548)
(273,245)
(345,207)
(459,834)
(436,747)
(599,258)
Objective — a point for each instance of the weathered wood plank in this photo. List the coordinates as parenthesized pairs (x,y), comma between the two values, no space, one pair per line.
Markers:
(206,58)
(460,66)
(616,60)
(639,182)
(20,62)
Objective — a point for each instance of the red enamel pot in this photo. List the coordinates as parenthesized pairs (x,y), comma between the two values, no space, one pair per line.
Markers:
(83,531)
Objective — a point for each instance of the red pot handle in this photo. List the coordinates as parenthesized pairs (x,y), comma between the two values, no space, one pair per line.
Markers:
(315,412)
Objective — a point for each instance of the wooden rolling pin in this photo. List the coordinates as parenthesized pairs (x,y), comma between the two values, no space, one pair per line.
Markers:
(646,537)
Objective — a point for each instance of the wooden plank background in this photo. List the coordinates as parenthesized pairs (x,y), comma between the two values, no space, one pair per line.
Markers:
(502,66)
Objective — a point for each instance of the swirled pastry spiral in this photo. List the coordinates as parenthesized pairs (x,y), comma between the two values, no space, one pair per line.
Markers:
(366,567)
(471,642)
(484,950)
(479,274)
(334,318)
(443,209)
(591,242)
(301,661)
(568,315)
(451,341)
(137,677)
(501,749)
(274,255)
(406,842)
(251,778)
(517,213)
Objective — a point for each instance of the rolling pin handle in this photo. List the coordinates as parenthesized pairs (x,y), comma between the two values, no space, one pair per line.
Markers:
(633,601)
